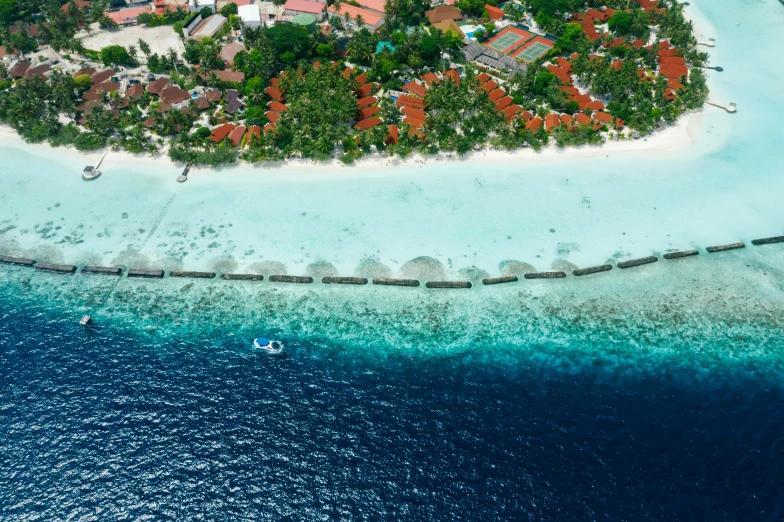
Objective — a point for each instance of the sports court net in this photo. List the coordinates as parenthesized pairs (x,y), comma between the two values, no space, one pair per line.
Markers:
(536,50)
(505,41)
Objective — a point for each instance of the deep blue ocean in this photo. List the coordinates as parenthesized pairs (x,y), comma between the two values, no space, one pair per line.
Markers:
(111,423)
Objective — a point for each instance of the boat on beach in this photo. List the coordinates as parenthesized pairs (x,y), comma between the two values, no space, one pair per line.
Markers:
(273,347)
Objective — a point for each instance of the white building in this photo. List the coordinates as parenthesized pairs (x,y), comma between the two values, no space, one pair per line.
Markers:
(250,15)
(197,5)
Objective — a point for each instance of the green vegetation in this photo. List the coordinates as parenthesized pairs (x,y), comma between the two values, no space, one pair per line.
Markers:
(319,122)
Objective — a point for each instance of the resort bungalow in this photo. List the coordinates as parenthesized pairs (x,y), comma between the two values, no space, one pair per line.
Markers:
(371,20)
(236,135)
(219,133)
(495,13)
(368,123)
(297,7)
(443,12)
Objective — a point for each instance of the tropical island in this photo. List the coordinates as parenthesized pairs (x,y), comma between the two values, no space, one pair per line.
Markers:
(343,79)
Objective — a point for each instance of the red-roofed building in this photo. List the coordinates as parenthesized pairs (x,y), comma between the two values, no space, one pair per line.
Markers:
(275,94)
(269,127)
(583,119)
(603,117)
(571,90)
(534,124)
(419,114)
(609,11)
(361,79)
(526,115)
(393,135)
(493,12)
(410,101)
(366,89)
(510,111)
(367,112)
(453,75)
(272,116)
(489,86)
(595,105)
(236,135)
(368,123)
(482,77)
(581,98)
(564,64)
(127,16)
(599,15)
(560,73)
(430,78)
(503,103)
(551,121)
(253,130)
(496,95)
(221,132)
(277,106)
(366,102)
(415,88)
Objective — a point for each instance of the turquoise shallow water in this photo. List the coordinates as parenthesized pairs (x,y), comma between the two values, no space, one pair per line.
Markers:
(652,393)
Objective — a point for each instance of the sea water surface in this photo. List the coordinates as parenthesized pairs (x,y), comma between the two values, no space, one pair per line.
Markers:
(652,393)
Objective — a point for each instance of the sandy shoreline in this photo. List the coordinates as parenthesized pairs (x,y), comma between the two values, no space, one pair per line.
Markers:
(677,137)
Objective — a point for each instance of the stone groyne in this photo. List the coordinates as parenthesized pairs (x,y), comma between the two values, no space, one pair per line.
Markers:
(152,273)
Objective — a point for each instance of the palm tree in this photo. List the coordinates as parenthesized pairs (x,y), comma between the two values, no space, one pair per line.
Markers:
(145,48)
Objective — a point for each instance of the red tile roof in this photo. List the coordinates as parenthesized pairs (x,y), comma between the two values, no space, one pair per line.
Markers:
(489,85)
(275,94)
(510,111)
(483,77)
(236,135)
(366,101)
(277,106)
(414,122)
(526,115)
(368,123)
(157,86)
(393,134)
(571,90)
(361,79)
(494,12)
(366,89)
(415,88)
(453,74)
(269,127)
(497,94)
(561,73)
(534,124)
(272,116)
(602,117)
(430,79)
(583,119)
(551,121)
(253,130)
(413,112)
(410,101)
(221,132)
(504,102)
(367,112)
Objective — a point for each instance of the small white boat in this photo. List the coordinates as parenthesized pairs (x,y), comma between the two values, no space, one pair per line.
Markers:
(85,320)
(267,345)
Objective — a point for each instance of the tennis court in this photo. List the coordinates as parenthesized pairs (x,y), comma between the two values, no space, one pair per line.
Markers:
(505,41)
(533,50)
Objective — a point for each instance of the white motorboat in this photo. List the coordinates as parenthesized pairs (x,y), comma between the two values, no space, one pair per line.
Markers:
(268,345)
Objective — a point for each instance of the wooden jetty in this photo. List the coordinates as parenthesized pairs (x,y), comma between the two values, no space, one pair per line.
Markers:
(731,108)
(184,176)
